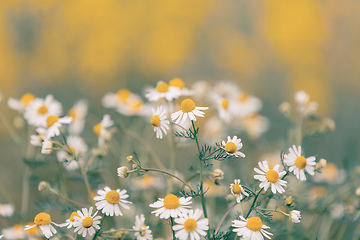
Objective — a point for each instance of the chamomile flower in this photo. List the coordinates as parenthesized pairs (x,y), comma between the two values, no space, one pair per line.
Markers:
(270,177)
(113,100)
(123,172)
(298,163)
(251,228)
(53,124)
(43,221)
(144,231)
(190,227)
(37,139)
(295,216)
(111,200)
(77,147)
(47,146)
(162,90)
(101,129)
(179,86)
(188,110)
(237,190)
(86,223)
(21,104)
(15,232)
(304,105)
(7,210)
(232,146)
(69,223)
(159,122)
(254,125)
(218,174)
(78,113)
(247,104)
(171,206)
(134,106)
(39,109)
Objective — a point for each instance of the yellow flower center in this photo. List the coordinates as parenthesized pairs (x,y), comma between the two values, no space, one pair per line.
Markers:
(72,113)
(123,94)
(51,120)
(136,105)
(244,97)
(230,147)
(18,227)
(236,189)
(162,87)
(73,215)
(171,201)
(272,176)
(113,197)
(43,109)
(300,162)
(187,105)
(225,103)
(177,82)
(27,98)
(97,129)
(32,231)
(155,121)
(190,225)
(42,219)
(254,224)
(87,222)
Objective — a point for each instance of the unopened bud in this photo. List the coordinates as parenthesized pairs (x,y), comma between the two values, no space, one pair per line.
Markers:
(129,158)
(218,174)
(44,186)
(288,201)
(123,172)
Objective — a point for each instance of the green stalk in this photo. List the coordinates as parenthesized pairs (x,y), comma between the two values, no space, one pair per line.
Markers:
(87,184)
(172,230)
(253,203)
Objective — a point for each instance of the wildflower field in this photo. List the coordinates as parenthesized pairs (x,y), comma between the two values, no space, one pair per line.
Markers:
(182,120)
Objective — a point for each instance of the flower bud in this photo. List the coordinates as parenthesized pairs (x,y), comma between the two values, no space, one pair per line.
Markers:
(288,201)
(295,216)
(123,172)
(44,186)
(129,158)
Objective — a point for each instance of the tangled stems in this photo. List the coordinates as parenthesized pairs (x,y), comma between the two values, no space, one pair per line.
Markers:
(253,203)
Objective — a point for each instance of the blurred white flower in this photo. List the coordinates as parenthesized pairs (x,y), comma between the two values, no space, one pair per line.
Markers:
(77,147)
(304,105)
(162,90)
(7,210)
(78,113)
(101,129)
(144,231)
(53,124)
(21,104)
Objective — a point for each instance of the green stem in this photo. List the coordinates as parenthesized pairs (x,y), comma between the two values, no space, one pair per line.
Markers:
(172,230)
(172,157)
(98,232)
(67,199)
(205,158)
(248,189)
(86,181)
(272,210)
(25,192)
(223,218)
(253,203)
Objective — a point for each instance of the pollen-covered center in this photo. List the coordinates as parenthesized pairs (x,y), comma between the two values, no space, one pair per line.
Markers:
(42,219)
(190,225)
(155,121)
(50,120)
(187,105)
(87,222)
(225,103)
(254,224)
(43,109)
(162,87)
(177,82)
(27,98)
(230,147)
(74,214)
(113,197)
(300,162)
(272,176)
(97,129)
(236,189)
(171,201)
(123,94)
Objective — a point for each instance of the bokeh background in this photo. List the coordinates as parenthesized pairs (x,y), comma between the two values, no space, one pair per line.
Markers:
(84,48)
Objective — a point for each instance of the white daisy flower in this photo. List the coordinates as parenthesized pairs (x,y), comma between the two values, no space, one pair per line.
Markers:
(47,146)
(190,227)
(21,104)
(39,109)
(78,147)
(101,129)
(53,124)
(270,177)
(304,105)
(179,85)
(78,113)
(111,200)
(162,90)
(86,223)
(251,228)
(43,221)
(188,110)
(113,100)
(232,146)
(247,104)
(15,232)
(69,223)
(7,210)
(134,106)
(171,206)
(159,122)
(237,190)
(37,139)
(298,163)
(144,231)
(295,216)
(254,125)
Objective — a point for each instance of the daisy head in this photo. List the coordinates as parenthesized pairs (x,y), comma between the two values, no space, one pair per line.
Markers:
(101,129)
(171,206)
(47,146)
(86,223)
(188,110)
(179,85)
(190,226)
(15,232)
(304,105)
(162,90)
(123,172)
(237,190)
(110,201)
(298,163)
(70,222)
(158,120)
(21,104)
(39,109)
(43,221)
(78,113)
(76,148)
(247,104)
(53,124)
(134,106)
(251,228)
(144,233)
(37,139)
(295,216)
(271,177)
(232,146)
